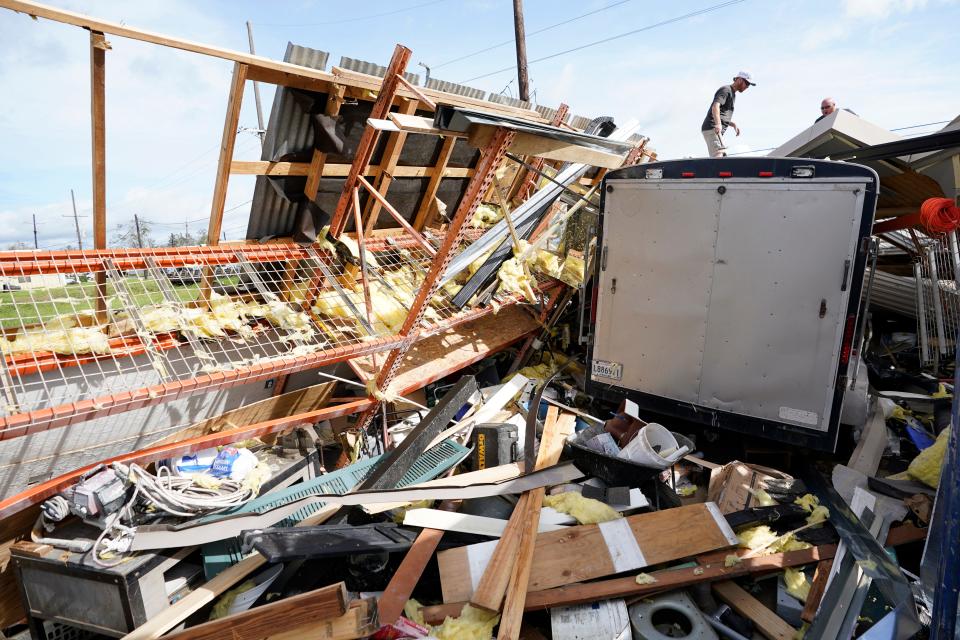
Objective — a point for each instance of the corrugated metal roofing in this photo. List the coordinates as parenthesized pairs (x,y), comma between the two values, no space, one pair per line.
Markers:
(289,132)
(458,89)
(513,102)
(371,69)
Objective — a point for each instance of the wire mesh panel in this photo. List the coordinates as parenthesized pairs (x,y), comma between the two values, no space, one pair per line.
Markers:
(89,333)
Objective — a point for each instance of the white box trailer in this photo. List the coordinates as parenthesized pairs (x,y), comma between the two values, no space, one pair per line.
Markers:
(728,291)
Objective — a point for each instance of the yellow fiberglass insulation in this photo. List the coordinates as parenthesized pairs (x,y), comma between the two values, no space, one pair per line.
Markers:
(928,463)
(797,584)
(486,216)
(585,510)
(515,278)
(571,272)
(765,541)
(810,502)
(78,340)
(473,624)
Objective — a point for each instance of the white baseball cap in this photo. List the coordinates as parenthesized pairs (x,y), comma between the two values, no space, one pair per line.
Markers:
(746,76)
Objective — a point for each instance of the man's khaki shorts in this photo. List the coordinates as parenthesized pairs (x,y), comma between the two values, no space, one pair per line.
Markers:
(715,146)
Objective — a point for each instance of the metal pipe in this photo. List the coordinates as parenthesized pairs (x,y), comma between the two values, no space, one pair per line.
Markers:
(861,329)
(937,307)
(921,313)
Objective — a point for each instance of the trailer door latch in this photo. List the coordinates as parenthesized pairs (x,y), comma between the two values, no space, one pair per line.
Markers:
(603,259)
(823,307)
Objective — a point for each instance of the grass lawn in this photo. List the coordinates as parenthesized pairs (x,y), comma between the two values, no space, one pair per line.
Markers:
(36,306)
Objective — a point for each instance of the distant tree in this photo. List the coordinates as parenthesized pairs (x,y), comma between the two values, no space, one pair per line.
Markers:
(181,240)
(125,234)
(18,246)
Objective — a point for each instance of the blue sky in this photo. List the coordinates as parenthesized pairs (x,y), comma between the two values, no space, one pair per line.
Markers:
(894,62)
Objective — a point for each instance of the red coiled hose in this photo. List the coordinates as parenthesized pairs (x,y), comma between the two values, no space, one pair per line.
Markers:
(940,215)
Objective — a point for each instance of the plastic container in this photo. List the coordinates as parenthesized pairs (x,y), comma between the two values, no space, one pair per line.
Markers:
(653,446)
(617,472)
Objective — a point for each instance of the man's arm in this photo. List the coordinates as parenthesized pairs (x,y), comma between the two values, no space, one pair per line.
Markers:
(715,112)
(735,127)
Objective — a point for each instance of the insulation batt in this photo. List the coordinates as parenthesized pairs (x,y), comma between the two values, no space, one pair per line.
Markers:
(928,463)
(585,510)
(764,540)
(486,216)
(78,340)
(797,584)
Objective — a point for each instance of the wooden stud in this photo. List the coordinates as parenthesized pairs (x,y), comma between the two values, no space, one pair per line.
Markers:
(427,203)
(391,155)
(267,168)
(98,47)
(317,162)
(280,616)
(551,446)
(817,589)
(768,623)
(359,621)
(229,138)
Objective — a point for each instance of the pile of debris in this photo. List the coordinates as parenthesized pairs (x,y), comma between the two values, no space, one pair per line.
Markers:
(501,511)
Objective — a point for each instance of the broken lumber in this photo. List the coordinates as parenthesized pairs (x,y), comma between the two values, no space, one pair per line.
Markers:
(359,621)
(281,615)
(492,587)
(820,578)
(601,549)
(555,433)
(666,580)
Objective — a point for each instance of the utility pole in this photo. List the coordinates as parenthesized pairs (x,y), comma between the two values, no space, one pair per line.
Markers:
(76,220)
(521,50)
(256,88)
(136,222)
(35,245)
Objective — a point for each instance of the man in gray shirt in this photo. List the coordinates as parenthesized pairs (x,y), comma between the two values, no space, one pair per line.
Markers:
(720,114)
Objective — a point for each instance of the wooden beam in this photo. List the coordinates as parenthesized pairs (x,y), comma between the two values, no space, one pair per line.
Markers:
(422,125)
(283,69)
(628,544)
(555,433)
(229,138)
(528,144)
(439,169)
(768,623)
(665,580)
(375,195)
(319,159)
(391,154)
(98,61)
(359,621)
(267,168)
(275,617)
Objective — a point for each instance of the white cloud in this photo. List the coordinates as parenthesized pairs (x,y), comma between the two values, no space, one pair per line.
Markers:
(879,9)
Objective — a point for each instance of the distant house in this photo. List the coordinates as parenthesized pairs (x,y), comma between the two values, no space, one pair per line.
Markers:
(37,281)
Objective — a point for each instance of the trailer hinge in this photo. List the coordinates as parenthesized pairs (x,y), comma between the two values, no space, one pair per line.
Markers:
(603,260)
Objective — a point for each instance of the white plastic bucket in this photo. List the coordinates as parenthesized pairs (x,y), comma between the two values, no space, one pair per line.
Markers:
(654,446)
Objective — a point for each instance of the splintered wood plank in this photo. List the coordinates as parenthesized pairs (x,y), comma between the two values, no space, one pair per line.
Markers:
(279,616)
(665,580)
(555,433)
(359,621)
(601,550)
(769,624)
(516,544)
(426,203)
(817,589)
(437,356)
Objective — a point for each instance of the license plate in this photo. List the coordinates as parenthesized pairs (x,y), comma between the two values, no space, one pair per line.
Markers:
(604,369)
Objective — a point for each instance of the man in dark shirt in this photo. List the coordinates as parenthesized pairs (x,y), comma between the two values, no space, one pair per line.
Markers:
(720,114)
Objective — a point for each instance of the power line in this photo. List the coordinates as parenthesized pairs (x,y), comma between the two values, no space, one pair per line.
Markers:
(917,126)
(531,33)
(685,16)
(358,18)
